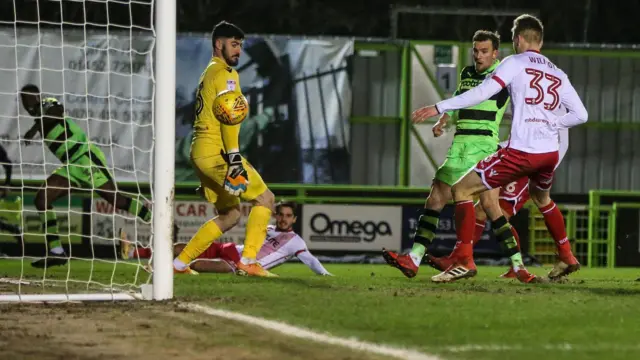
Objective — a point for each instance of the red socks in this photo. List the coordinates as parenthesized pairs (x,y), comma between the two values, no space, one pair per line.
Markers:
(555,224)
(225,251)
(229,253)
(465,224)
(142,253)
(479,229)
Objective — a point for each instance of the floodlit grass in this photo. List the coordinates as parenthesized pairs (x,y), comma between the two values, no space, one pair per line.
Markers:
(595,315)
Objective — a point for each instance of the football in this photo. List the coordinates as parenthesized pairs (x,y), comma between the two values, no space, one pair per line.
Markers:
(230,107)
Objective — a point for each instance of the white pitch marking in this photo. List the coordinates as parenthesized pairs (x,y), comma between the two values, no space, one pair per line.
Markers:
(555,347)
(302,333)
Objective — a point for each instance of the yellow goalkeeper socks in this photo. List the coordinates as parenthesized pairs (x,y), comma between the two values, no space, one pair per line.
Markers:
(256,231)
(200,242)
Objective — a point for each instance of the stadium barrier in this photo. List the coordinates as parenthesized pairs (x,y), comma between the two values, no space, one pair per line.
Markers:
(603,150)
(360,219)
(588,229)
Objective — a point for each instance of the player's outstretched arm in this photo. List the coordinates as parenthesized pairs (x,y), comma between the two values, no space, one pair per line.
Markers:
(31,133)
(508,69)
(472,97)
(313,263)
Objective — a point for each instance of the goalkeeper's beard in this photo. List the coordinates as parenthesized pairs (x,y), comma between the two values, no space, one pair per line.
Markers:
(230,60)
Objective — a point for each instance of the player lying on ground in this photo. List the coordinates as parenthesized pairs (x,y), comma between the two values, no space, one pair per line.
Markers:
(83,166)
(225,175)
(7,165)
(512,198)
(476,137)
(537,87)
(280,245)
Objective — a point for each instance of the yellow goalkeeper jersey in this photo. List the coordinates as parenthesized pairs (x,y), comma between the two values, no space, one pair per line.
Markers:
(210,135)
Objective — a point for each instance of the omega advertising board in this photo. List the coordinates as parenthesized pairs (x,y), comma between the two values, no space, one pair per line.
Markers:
(352,227)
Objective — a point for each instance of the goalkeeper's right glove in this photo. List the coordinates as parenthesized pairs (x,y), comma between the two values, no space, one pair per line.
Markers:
(237,179)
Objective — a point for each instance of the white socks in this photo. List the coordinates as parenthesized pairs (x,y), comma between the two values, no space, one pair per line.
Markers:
(247,261)
(179,265)
(57,250)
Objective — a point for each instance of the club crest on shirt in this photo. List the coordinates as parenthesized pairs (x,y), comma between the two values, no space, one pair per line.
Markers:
(231,85)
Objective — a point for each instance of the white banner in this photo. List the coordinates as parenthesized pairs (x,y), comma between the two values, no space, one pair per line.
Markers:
(297,87)
(352,227)
(188,215)
(105,83)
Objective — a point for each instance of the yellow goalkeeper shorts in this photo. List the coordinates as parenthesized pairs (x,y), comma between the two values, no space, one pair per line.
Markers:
(212,170)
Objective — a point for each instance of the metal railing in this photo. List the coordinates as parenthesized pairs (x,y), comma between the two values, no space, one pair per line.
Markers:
(612,131)
(591,232)
(591,227)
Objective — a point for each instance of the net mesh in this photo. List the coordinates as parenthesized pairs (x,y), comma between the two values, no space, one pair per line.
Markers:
(96,58)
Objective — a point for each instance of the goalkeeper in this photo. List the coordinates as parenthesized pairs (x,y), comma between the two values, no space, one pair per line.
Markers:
(476,138)
(83,166)
(225,175)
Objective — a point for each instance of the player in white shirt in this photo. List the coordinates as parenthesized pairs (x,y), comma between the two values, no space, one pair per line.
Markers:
(537,88)
(512,198)
(280,245)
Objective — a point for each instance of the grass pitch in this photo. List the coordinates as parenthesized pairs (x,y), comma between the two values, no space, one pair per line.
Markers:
(594,315)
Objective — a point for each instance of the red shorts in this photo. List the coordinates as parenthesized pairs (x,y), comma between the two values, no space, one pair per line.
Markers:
(226,251)
(514,195)
(508,165)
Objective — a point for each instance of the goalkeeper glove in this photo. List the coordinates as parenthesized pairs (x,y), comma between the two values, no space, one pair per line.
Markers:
(237,179)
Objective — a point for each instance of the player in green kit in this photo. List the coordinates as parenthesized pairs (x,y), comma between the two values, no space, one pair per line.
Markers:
(476,137)
(83,166)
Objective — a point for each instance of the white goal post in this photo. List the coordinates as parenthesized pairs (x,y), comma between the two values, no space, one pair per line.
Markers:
(164,184)
(117,82)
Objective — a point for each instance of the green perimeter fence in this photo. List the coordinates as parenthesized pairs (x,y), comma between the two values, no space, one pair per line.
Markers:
(610,100)
(591,228)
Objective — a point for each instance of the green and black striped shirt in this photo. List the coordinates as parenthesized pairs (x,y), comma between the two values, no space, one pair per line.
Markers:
(482,119)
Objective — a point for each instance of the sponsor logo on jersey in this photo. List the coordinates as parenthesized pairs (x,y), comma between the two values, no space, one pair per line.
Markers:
(273,241)
(470,83)
(231,85)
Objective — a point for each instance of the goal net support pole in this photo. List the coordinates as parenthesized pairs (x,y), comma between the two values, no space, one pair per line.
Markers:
(164,149)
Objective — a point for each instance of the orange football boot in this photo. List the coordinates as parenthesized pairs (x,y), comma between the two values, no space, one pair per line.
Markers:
(254,269)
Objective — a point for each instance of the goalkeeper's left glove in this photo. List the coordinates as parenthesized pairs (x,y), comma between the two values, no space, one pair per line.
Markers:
(237,179)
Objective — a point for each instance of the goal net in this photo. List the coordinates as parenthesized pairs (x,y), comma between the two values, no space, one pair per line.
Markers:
(82,201)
